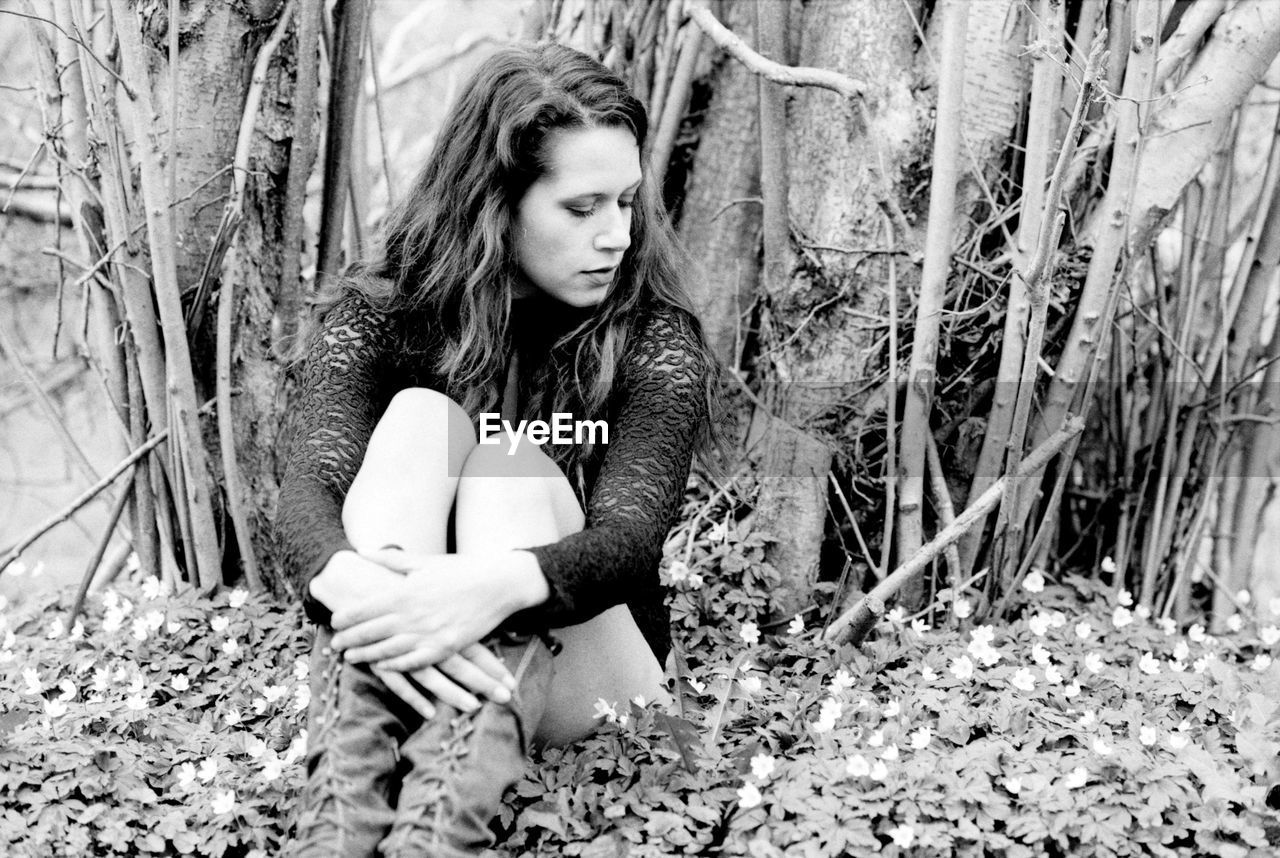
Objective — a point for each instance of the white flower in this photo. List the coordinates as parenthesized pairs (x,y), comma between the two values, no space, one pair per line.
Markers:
(762,766)
(897,616)
(1167,625)
(55,708)
(1177,740)
(151,588)
(154,620)
(1088,719)
(274,692)
(751,684)
(921,738)
(1147,735)
(237,598)
(961,668)
(989,656)
(272,768)
(1121,617)
(1148,664)
(1013,785)
(1142,612)
(1124,598)
(927,674)
(219,623)
(1269,635)
(56,628)
(1023,680)
(841,682)
(1101,747)
(1071,690)
(112,620)
(679,571)
(605,710)
(260,705)
(101,678)
(796,625)
(1200,664)
(230,645)
(186,775)
(208,768)
(1196,633)
(1244,597)
(77,631)
(890,752)
(749,633)
(132,563)
(255,747)
(1039,624)
(1076,778)
(297,748)
(301,669)
(1235,623)
(223,802)
(857,766)
(180,682)
(32,680)
(963,608)
(1083,630)
(919,626)
(1181,651)
(139,629)
(67,690)
(232,717)
(301,698)
(1057,619)
(1261,662)
(136,702)
(1177,666)
(1093,662)
(1108,565)
(695,581)
(879,771)
(1052,675)
(1040,655)
(892,709)
(136,684)
(876,739)
(172,627)
(749,796)
(1034,582)
(902,835)
(983,634)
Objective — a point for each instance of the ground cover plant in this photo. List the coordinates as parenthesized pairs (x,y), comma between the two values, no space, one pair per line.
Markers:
(173,725)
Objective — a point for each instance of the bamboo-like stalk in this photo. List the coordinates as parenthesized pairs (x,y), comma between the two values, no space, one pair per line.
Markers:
(205,561)
(379,119)
(302,154)
(890,406)
(1195,22)
(1088,22)
(771,34)
(1042,139)
(942,505)
(854,624)
(921,373)
(113,519)
(145,535)
(344,91)
(677,100)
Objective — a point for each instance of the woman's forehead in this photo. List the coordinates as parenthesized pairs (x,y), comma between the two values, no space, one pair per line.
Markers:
(585,157)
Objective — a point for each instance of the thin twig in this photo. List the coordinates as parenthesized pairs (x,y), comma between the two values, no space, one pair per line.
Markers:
(113,519)
(776,72)
(88,50)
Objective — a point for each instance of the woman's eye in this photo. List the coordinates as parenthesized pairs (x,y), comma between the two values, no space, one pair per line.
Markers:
(626,204)
(577,212)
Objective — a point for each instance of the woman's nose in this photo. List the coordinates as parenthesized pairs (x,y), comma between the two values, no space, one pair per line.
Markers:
(615,234)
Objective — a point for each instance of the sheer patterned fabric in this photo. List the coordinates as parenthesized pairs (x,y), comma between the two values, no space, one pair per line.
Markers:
(356,363)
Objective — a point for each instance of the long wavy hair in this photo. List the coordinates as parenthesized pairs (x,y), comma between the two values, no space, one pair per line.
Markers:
(448,262)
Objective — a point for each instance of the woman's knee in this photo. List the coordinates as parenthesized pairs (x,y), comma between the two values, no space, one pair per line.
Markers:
(517,484)
(423,414)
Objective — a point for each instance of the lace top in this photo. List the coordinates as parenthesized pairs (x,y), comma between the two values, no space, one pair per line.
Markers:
(357,362)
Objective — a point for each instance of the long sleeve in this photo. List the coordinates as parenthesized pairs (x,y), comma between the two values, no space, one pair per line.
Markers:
(638,491)
(338,405)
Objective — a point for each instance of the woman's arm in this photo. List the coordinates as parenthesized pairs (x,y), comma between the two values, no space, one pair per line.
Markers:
(337,406)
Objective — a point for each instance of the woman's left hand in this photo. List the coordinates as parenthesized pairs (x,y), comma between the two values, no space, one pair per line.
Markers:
(444,603)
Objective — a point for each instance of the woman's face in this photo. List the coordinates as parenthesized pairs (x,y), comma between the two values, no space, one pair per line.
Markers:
(574,223)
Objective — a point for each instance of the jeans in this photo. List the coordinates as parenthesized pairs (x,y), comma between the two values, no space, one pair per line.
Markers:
(381,780)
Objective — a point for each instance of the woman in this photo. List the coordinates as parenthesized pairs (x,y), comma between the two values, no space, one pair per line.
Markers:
(529,272)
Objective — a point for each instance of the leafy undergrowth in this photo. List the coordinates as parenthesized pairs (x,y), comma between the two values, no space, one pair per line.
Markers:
(170,724)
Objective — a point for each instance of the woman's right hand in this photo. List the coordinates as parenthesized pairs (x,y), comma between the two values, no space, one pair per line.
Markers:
(455,680)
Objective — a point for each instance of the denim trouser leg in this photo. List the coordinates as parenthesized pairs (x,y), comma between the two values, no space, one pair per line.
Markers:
(381,780)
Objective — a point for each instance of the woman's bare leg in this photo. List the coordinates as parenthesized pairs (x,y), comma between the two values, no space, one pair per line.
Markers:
(406,484)
(523,500)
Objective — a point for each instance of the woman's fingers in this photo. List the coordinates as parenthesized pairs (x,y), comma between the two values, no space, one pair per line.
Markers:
(367,632)
(480,655)
(388,648)
(472,677)
(401,687)
(445,690)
